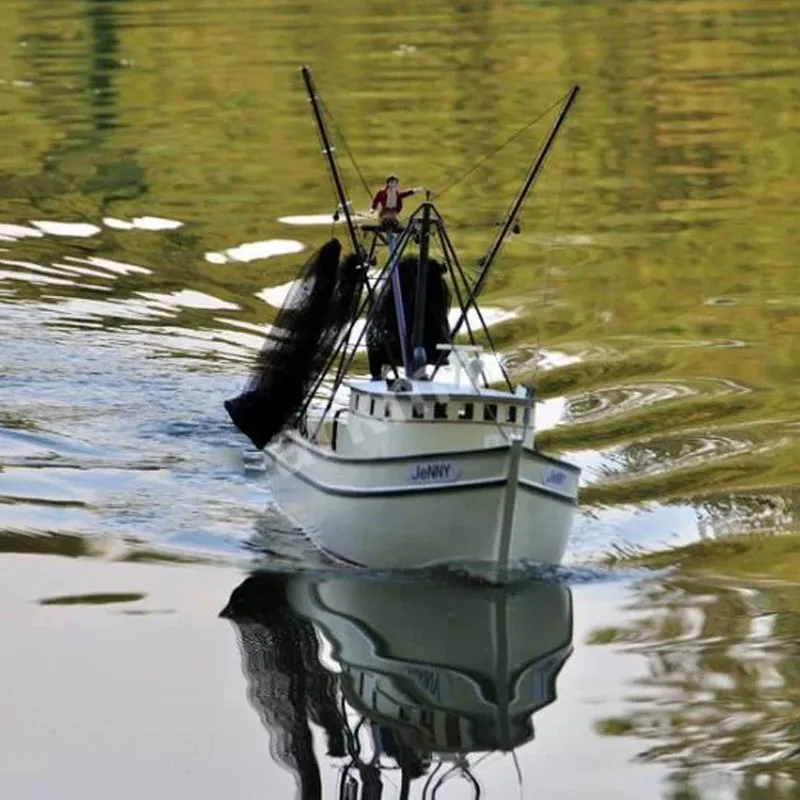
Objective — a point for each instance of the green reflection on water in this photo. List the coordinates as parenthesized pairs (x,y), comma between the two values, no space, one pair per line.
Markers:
(101,599)
(56,544)
(75,546)
(769,556)
(720,697)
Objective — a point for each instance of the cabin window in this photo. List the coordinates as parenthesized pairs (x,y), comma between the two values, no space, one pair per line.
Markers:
(372,406)
(440,410)
(418,411)
(466,411)
(490,412)
(512,414)
(356,398)
(387,411)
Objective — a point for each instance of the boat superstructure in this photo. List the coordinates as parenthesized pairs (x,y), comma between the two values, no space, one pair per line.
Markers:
(425,463)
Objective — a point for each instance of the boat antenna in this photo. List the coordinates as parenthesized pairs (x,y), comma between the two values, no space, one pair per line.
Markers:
(487,261)
(328,152)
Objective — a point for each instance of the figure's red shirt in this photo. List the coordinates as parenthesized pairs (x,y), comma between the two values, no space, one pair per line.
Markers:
(380,200)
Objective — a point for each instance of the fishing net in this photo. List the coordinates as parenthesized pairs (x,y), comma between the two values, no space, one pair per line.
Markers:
(306,331)
(383,338)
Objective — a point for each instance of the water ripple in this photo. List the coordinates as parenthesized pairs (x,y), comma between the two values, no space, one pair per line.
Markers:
(145,250)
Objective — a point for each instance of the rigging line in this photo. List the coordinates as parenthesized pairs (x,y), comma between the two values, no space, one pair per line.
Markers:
(492,414)
(354,746)
(546,281)
(347,149)
(483,758)
(347,359)
(459,770)
(429,780)
(454,280)
(493,153)
(331,177)
(440,781)
(446,241)
(519,774)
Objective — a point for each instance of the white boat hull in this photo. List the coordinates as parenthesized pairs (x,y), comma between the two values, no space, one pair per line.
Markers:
(496,507)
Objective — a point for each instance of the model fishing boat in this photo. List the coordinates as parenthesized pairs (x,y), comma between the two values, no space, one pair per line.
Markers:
(433,680)
(422,462)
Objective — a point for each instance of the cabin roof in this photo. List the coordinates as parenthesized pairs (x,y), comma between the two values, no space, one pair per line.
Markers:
(432,390)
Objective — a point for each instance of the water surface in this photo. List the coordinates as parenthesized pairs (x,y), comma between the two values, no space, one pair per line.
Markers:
(156,159)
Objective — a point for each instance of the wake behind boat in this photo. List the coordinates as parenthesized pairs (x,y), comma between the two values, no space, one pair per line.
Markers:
(423,464)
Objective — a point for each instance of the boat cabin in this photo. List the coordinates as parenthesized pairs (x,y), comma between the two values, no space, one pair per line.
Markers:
(380,422)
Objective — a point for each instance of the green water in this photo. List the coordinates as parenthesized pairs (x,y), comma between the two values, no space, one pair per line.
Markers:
(656,268)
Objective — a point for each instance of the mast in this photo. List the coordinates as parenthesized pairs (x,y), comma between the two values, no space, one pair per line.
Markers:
(533,172)
(419,356)
(328,151)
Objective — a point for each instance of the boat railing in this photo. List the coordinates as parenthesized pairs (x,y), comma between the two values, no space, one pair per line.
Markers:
(473,368)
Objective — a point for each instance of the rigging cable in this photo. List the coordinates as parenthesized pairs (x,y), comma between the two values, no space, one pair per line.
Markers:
(430,779)
(519,774)
(493,153)
(546,281)
(346,148)
(460,769)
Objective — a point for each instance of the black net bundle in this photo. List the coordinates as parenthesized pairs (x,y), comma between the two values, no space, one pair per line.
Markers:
(383,338)
(299,346)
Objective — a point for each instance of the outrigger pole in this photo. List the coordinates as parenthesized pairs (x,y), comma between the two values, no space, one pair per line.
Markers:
(533,172)
(328,151)
(339,185)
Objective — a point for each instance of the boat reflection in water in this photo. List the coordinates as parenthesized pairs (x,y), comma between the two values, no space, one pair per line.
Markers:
(416,683)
